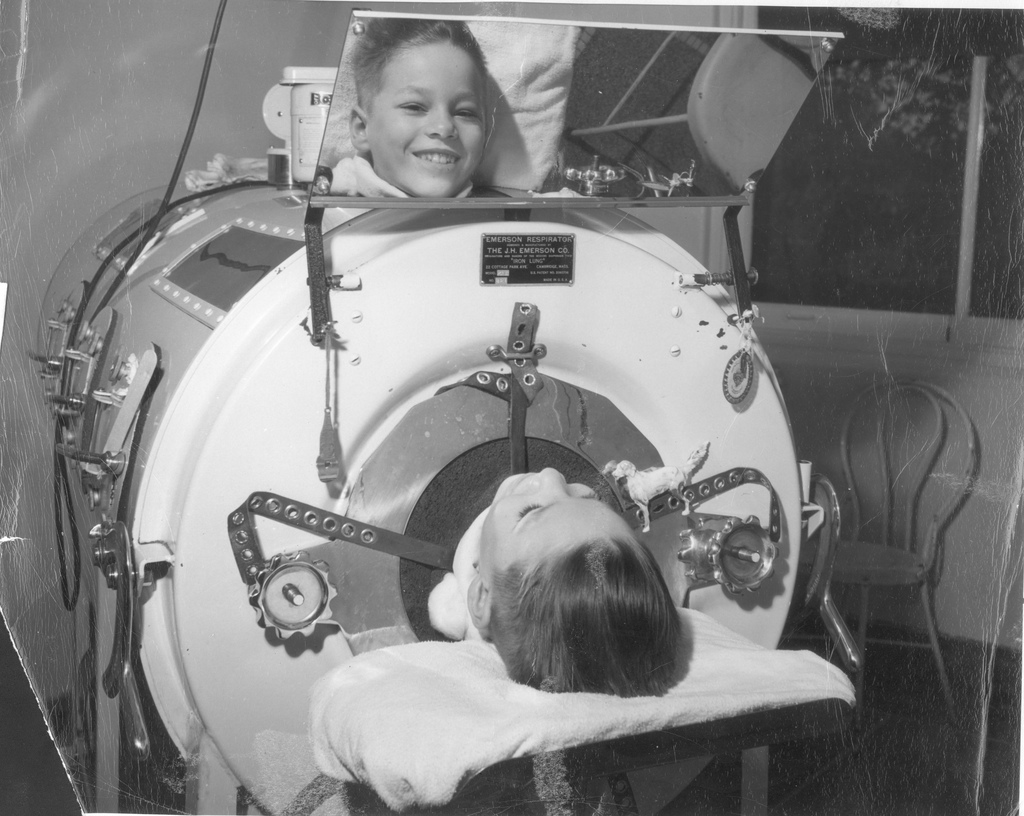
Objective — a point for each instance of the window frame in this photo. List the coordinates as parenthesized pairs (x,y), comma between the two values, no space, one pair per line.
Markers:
(959,330)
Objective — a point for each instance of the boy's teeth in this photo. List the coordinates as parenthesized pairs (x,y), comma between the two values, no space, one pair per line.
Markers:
(440,158)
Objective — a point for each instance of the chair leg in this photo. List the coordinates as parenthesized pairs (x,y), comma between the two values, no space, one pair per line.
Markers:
(933,636)
(862,638)
(754,782)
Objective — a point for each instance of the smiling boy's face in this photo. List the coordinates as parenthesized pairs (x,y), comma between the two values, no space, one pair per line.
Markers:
(425,128)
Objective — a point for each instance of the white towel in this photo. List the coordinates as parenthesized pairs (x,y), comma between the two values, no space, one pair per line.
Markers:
(353,176)
(532,68)
(415,721)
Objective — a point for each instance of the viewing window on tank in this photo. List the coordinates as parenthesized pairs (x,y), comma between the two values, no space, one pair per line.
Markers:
(223,269)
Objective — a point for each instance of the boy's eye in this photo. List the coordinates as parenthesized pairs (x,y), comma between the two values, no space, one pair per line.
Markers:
(412,106)
(528,509)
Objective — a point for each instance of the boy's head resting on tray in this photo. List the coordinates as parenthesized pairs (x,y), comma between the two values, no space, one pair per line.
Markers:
(571,600)
(420,117)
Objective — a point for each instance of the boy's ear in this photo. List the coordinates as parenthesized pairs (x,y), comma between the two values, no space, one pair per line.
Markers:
(357,129)
(478,599)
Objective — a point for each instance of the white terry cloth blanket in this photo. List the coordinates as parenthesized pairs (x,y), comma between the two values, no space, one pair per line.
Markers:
(417,720)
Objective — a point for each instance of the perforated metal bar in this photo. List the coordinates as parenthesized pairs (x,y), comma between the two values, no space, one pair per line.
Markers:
(249,556)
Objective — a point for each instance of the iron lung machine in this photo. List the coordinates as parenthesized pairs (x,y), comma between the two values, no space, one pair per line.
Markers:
(277,420)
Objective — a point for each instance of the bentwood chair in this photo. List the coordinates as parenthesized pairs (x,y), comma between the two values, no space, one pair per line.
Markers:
(910,457)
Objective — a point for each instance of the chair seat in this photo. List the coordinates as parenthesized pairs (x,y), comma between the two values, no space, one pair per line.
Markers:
(860,562)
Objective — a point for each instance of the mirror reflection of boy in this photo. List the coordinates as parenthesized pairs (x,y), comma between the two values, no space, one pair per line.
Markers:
(419,123)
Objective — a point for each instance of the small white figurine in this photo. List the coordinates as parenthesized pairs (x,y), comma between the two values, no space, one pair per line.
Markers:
(644,485)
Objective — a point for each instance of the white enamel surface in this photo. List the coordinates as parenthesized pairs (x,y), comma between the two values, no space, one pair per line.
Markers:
(247,415)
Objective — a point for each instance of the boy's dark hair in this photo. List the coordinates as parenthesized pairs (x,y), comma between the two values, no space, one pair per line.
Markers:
(596,618)
(382,38)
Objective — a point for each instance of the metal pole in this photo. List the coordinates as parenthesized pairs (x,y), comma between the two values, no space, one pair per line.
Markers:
(972,183)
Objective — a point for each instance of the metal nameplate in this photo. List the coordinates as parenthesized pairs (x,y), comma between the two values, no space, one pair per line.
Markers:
(527,259)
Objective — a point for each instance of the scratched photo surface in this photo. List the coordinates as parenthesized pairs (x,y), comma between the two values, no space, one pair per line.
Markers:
(597,111)
(144,669)
(560,103)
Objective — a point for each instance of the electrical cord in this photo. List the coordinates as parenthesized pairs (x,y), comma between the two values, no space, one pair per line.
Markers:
(61,481)
(62,493)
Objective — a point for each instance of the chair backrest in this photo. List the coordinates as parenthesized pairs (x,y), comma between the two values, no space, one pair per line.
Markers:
(743,100)
(910,457)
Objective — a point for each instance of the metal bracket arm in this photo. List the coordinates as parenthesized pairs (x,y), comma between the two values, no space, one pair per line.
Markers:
(251,561)
(114,556)
(693,495)
(734,245)
(689,497)
(319,285)
(521,355)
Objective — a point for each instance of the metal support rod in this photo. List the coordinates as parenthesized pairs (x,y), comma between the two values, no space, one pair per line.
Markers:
(319,286)
(639,78)
(734,246)
(112,461)
(754,781)
(632,125)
